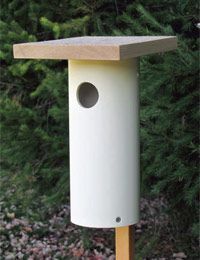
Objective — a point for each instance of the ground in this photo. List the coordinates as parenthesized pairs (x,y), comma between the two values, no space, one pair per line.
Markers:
(56,238)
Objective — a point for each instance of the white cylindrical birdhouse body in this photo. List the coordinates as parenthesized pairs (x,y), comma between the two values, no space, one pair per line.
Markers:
(104,142)
(104,122)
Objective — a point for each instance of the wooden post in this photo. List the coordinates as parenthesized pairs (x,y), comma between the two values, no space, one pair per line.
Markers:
(124,242)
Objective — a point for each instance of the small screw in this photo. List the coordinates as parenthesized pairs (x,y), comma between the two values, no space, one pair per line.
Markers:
(118,219)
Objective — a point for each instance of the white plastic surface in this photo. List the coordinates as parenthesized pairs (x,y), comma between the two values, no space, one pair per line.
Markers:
(104,145)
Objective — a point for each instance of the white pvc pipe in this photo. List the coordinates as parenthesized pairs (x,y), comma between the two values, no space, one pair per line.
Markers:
(104,143)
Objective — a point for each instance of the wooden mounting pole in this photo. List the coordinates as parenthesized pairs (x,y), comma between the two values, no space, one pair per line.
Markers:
(124,242)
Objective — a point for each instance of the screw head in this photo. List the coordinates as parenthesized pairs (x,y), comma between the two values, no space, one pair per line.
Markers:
(118,219)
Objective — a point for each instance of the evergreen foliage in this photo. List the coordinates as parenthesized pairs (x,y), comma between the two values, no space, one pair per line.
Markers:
(34,114)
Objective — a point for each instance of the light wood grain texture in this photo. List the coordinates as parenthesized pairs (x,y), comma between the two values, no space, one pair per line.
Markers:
(124,242)
(95,48)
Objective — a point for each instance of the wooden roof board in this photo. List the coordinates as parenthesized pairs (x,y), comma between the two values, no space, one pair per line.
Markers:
(95,47)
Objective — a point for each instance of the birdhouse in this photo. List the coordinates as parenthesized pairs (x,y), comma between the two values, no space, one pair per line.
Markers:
(103,122)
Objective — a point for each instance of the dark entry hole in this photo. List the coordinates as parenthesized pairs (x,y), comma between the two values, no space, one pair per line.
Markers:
(87,95)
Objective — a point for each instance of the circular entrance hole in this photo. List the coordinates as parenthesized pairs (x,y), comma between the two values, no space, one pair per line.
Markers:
(87,95)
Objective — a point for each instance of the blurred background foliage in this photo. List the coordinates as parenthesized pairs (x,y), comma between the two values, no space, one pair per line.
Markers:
(34,102)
